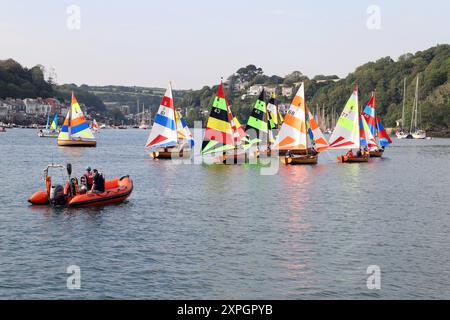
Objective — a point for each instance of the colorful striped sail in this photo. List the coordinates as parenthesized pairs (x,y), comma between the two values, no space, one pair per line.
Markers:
(54,125)
(273,118)
(383,137)
(184,134)
(239,131)
(221,133)
(48,121)
(95,126)
(164,130)
(369,114)
(346,133)
(321,144)
(293,130)
(257,121)
(373,121)
(366,137)
(75,126)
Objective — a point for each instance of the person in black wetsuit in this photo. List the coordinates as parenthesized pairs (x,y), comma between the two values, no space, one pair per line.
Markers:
(99,183)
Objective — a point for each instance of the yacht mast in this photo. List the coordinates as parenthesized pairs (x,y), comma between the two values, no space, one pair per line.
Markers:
(418,113)
(403,110)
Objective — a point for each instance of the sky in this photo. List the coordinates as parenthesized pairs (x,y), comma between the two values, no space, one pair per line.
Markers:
(195,43)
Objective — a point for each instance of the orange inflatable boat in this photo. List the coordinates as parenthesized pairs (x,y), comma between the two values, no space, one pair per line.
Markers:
(74,195)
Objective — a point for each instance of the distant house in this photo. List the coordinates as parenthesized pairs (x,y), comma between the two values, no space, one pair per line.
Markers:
(270,89)
(243,85)
(63,111)
(255,90)
(286,91)
(125,109)
(15,105)
(4,111)
(283,108)
(56,106)
(37,106)
(11,106)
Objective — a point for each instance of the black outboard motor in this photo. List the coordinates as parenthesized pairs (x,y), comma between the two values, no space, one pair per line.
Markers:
(57,195)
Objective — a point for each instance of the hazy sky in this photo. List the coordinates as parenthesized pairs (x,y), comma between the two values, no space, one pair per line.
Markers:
(194,43)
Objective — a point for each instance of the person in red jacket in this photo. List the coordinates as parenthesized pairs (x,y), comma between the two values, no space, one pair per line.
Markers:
(89,178)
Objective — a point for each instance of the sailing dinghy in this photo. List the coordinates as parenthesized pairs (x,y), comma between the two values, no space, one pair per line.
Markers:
(376,129)
(293,133)
(223,133)
(51,130)
(169,137)
(257,130)
(346,135)
(75,131)
(274,121)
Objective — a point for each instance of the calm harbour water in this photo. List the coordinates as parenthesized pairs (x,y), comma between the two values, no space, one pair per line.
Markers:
(227,232)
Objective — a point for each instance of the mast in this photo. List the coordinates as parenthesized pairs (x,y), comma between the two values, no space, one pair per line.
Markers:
(324,124)
(412,116)
(403,110)
(175,111)
(357,112)
(143,113)
(306,132)
(69,129)
(48,121)
(417,102)
(138,110)
(268,128)
(332,117)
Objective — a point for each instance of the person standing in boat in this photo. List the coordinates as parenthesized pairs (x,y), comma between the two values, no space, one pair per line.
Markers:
(99,183)
(89,178)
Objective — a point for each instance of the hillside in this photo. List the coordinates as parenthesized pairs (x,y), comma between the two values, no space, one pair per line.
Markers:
(19,82)
(385,76)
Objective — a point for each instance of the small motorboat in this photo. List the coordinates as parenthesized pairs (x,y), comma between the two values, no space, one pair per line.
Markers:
(2,129)
(73,194)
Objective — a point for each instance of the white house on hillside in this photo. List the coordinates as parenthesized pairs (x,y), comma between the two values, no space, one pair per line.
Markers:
(37,107)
